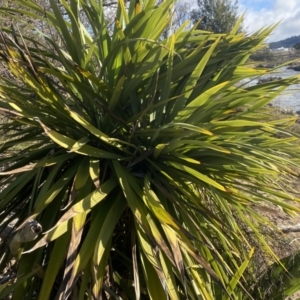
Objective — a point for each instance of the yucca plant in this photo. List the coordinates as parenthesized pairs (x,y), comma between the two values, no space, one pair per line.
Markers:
(144,159)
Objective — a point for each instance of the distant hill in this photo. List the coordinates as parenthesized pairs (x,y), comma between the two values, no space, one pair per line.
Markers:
(287,43)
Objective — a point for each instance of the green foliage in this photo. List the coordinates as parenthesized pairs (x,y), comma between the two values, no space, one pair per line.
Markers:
(219,16)
(144,159)
(297,46)
(282,279)
(264,54)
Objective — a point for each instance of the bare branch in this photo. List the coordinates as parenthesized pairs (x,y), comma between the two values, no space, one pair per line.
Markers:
(290,228)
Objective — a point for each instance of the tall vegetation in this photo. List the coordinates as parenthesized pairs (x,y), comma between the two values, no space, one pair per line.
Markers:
(144,159)
(297,46)
(219,16)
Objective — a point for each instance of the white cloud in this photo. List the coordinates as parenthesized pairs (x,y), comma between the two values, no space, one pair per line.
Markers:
(261,13)
(286,11)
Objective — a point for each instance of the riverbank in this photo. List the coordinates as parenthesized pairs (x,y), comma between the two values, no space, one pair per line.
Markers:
(288,100)
(270,59)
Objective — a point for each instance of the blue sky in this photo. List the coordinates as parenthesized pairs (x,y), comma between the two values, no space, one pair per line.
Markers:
(260,13)
(257,5)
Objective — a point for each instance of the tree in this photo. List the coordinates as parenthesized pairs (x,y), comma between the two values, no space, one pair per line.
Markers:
(264,54)
(218,16)
(143,160)
(297,46)
(179,13)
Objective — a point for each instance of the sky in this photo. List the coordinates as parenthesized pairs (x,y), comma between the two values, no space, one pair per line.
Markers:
(260,13)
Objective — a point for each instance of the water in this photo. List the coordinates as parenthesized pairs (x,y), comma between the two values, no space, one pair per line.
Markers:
(290,98)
